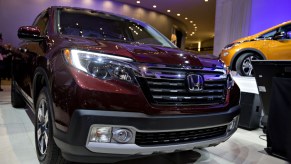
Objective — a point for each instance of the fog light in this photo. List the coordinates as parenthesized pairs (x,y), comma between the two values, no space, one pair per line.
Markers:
(100,134)
(232,124)
(122,135)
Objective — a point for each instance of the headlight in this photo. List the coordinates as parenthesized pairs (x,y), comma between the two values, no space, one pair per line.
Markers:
(229,46)
(230,81)
(101,66)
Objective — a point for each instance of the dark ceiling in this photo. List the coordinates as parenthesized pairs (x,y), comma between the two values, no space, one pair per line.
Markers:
(200,12)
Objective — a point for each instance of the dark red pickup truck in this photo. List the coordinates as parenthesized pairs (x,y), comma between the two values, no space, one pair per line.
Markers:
(105,88)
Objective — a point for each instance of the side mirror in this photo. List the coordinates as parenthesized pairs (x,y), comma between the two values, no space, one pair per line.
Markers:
(279,35)
(30,33)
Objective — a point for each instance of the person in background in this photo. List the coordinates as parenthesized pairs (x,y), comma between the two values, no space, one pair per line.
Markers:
(1,60)
(7,58)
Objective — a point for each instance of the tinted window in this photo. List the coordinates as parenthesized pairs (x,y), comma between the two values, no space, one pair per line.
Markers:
(86,23)
(287,30)
(41,22)
(268,35)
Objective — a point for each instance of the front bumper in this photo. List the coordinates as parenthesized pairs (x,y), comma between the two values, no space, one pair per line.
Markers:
(75,146)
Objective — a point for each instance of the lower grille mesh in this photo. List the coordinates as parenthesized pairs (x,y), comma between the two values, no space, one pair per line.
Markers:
(159,138)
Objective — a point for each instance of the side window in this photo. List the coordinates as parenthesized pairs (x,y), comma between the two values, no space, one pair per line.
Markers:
(41,22)
(269,34)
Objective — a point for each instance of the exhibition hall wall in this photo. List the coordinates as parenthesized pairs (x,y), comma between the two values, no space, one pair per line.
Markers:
(232,21)
(16,13)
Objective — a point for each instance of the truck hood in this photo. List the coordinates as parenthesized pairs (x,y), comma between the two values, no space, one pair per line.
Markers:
(143,53)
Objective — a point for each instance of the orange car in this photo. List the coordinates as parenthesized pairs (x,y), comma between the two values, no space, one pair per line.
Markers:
(271,44)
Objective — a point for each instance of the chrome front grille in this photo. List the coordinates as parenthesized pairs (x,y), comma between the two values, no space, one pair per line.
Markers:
(169,86)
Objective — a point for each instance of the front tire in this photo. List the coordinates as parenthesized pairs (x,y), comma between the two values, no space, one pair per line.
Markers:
(244,66)
(46,148)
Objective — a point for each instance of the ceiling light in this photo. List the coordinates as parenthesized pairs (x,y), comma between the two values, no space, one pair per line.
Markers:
(178,14)
(168,11)
(191,34)
(191,21)
(154,6)
(206,0)
(195,26)
(137,1)
(186,18)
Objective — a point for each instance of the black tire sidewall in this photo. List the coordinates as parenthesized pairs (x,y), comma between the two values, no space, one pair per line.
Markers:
(46,158)
(240,60)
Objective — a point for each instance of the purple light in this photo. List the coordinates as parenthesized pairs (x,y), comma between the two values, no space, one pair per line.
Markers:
(268,13)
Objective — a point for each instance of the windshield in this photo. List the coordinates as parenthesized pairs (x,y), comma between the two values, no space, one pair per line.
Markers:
(87,23)
(268,35)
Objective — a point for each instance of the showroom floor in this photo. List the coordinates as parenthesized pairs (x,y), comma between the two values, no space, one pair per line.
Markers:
(17,143)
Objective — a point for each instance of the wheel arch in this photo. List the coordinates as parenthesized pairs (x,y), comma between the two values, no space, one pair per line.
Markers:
(40,80)
(240,52)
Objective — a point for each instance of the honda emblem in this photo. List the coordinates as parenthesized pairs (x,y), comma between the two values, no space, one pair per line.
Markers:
(195,82)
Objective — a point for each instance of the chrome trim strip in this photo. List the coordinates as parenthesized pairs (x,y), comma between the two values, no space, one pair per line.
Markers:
(191,97)
(144,67)
(24,93)
(168,90)
(185,68)
(154,78)
(183,79)
(186,97)
(184,90)
(165,83)
(27,98)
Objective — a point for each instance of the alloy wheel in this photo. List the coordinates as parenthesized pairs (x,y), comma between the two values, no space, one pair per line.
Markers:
(42,127)
(247,66)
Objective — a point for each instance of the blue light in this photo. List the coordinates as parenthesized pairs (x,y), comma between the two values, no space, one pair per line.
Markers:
(268,13)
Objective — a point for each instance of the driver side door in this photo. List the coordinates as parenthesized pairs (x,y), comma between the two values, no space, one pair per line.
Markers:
(280,49)
(25,60)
